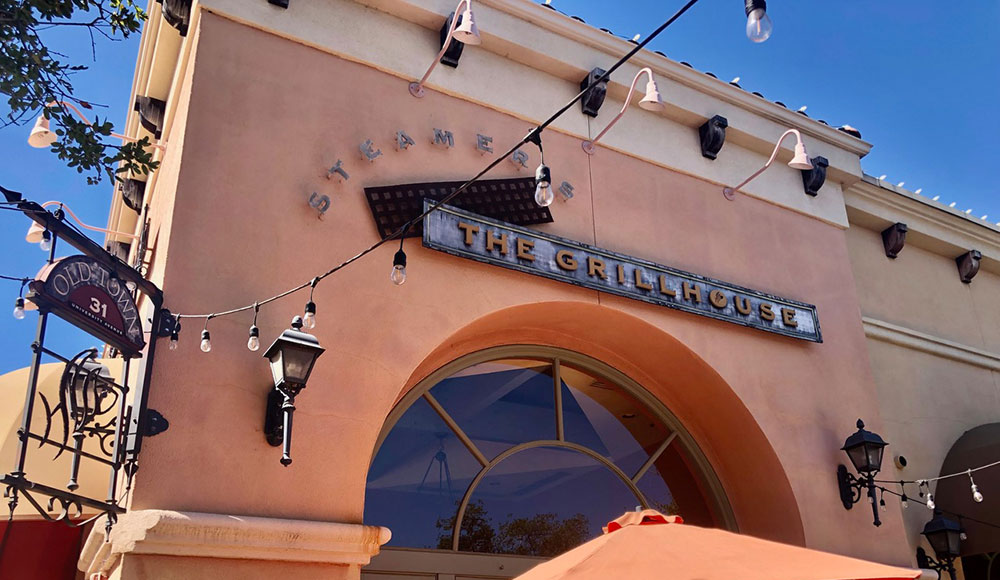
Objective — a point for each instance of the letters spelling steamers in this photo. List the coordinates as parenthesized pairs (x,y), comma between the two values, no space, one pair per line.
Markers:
(467,235)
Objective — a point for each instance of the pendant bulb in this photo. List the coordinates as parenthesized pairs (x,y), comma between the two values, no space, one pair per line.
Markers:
(173,341)
(398,273)
(543,186)
(309,320)
(254,342)
(206,341)
(903,501)
(930,501)
(19,308)
(976,496)
(46,243)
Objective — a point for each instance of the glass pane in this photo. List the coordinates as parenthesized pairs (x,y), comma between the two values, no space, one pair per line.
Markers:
(542,502)
(417,478)
(502,403)
(671,487)
(602,416)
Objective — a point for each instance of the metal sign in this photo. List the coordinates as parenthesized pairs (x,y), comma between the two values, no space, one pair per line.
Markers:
(85,293)
(464,234)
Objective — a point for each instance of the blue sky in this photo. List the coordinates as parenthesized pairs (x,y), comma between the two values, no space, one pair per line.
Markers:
(919,79)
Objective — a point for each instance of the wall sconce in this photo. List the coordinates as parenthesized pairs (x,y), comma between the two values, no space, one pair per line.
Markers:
(594,97)
(650,102)
(894,238)
(464,30)
(292,357)
(813,179)
(799,161)
(945,537)
(713,136)
(968,265)
(864,449)
(42,136)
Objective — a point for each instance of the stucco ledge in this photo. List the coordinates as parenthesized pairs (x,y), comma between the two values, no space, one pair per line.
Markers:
(192,534)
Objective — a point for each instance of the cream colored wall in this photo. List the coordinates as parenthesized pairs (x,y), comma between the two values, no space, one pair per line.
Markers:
(264,119)
(933,341)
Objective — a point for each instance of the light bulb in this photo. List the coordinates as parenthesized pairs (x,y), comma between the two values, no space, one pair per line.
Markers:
(976,496)
(254,342)
(930,501)
(173,341)
(871,499)
(206,341)
(881,504)
(903,502)
(543,186)
(19,308)
(758,25)
(398,274)
(309,320)
(543,195)
(963,536)
(46,243)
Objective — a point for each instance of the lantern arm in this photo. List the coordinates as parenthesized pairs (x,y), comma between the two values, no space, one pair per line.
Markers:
(853,488)
(925,561)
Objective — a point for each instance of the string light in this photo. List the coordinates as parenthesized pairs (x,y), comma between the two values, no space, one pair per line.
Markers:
(206,337)
(46,243)
(881,500)
(309,320)
(253,343)
(19,308)
(976,496)
(19,301)
(398,273)
(543,176)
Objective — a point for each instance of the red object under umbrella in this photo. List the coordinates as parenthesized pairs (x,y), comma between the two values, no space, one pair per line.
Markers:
(649,545)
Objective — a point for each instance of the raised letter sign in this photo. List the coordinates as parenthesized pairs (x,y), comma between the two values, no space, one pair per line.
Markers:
(464,234)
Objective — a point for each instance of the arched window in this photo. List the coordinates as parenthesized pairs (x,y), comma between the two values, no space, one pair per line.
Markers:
(530,451)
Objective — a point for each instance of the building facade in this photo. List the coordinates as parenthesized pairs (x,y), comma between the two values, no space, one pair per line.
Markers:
(708,358)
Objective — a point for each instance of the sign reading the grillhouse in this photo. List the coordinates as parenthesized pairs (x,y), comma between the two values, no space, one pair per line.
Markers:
(85,293)
(460,233)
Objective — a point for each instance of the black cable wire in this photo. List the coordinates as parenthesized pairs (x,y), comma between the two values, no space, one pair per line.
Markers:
(15,279)
(533,136)
(942,510)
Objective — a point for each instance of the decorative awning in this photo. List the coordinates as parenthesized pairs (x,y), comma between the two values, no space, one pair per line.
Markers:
(976,447)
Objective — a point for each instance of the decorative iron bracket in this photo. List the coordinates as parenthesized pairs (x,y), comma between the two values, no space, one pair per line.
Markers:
(454,52)
(968,265)
(852,489)
(594,97)
(813,179)
(925,561)
(894,238)
(713,136)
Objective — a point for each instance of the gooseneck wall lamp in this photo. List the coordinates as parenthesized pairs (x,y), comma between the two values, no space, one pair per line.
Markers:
(799,161)
(945,538)
(650,102)
(463,29)
(292,356)
(864,449)
(42,136)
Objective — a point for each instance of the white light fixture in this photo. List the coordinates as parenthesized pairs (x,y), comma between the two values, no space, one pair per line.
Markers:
(42,136)
(650,102)
(467,33)
(799,161)
(758,23)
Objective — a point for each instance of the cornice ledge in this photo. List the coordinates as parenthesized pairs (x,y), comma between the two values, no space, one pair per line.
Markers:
(916,340)
(984,237)
(204,535)
(584,33)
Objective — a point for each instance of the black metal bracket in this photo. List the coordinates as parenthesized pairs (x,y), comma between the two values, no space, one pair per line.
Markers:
(813,179)
(279,3)
(154,424)
(273,430)
(852,489)
(151,113)
(925,561)
(894,238)
(968,265)
(454,52)
(594,97)
(713,136)
(168,324)
(133,191)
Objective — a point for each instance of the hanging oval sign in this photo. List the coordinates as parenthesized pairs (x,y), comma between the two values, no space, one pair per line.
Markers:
(84,292)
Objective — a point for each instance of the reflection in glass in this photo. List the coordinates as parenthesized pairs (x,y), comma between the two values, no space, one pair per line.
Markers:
(544,498)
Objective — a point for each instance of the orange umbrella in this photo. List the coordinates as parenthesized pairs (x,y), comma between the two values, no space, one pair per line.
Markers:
(648,545)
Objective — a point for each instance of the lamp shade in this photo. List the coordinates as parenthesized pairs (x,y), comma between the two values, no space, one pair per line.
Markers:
(467,32)
(41,136)
(292,357)
(34,233)
(801,158)
(944,536)
(864,448)
(652,101)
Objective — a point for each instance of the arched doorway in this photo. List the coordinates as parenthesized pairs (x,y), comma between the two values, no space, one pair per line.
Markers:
(516,453)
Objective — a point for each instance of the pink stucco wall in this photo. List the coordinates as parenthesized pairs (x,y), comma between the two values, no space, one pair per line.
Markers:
(267,117)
